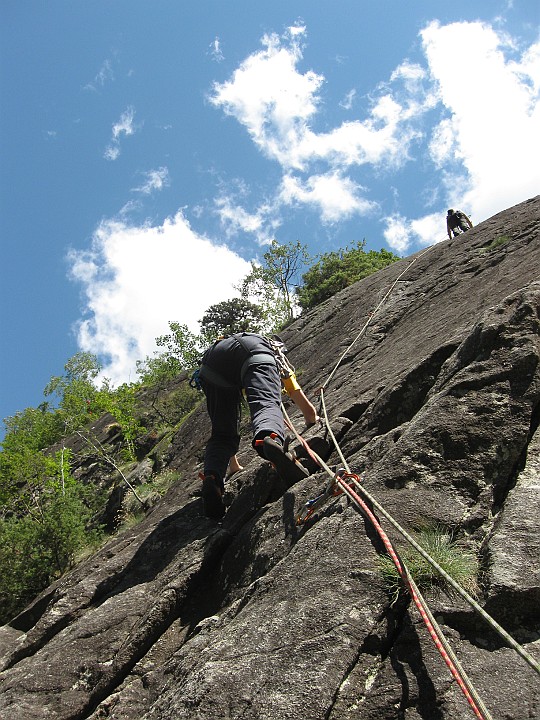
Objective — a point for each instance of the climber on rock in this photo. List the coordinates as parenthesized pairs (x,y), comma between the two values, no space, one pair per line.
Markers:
(457,222)
(257,366)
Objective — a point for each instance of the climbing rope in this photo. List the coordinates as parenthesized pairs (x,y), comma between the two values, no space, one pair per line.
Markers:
(509,640)
(339,479)
(337,484)
(434,629)
(372,314)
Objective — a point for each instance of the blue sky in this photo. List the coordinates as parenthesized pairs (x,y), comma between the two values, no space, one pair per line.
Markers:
(150,149)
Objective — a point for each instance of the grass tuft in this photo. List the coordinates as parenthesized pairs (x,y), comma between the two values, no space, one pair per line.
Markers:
(494,244)
(149,492)
(459,562)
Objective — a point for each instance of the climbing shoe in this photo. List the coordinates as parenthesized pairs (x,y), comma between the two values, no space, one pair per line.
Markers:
(212,495)
(288,468)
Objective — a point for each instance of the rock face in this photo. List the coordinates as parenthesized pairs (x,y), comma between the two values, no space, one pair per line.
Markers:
(437,406)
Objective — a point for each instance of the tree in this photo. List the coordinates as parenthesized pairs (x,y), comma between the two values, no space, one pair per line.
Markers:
(76,390)
(272,283)
(121,404)
(33,428)
(231,316)
(339,269)
(43,525)
(181,354)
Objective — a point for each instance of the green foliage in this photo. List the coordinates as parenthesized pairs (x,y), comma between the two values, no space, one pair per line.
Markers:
(43,525)
(339,269)
(461,564)
(150,492)
(182,349)
(494,244)
(157,370)
(231,316)
(33,428)
(21,468)
(47,517)
(120,403)
(76,392)
(185,399)
(271,283)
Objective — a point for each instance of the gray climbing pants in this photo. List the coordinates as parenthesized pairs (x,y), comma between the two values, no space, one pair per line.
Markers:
(262,385)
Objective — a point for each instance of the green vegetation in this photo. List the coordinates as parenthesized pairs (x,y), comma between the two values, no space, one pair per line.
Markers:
(232,316)
(494,244)
(48,517)
(75,391)
(337,270)
(150,492)
(461,564)
(44,523)
(271,285)
(182,349)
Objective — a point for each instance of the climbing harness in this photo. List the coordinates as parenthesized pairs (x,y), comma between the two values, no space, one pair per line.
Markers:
(274,355)
(286,370)
(343,481)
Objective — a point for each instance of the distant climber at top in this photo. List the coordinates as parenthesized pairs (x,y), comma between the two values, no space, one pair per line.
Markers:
(257,365)
(457,222)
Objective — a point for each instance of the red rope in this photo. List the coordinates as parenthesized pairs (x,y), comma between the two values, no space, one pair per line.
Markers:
(418,601)
(390,550)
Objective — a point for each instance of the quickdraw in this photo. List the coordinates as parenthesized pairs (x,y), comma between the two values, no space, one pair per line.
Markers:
(332,489)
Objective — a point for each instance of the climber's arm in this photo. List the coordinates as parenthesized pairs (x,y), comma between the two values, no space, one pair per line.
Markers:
(295,392)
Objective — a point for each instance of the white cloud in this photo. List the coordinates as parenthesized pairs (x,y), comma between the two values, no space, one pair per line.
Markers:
(155,180)
(112,151)
(278,106)
(443,145)
(297,30)
(378,141)
(335,197)
(430,229)
(411,72)
(270,97)
(348,100)
(400,232)
(236,217)
(262,223)
(276,102)
(478,151)
(397,233)
(483,145)
(215,50)
(137,279)
(125,126)
(129,207)
(104,74)
(494,114)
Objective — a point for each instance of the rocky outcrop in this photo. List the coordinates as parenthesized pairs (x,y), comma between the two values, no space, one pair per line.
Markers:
(437,406)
